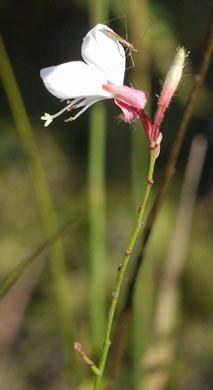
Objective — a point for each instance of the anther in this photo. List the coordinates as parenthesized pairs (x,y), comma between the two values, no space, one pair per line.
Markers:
(139,208)
(70,119)
(114,295)
(74,106)
(119,267)
(127,252)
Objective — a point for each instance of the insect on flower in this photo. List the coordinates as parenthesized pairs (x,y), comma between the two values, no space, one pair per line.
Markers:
(117,37)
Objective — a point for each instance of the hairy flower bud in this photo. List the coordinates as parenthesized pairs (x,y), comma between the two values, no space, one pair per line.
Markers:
(173,78)
(169,87)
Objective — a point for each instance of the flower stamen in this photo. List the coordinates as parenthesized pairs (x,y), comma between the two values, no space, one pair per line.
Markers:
(72,118)
(49,118)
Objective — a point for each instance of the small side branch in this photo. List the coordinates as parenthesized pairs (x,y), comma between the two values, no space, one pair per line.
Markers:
(85,358)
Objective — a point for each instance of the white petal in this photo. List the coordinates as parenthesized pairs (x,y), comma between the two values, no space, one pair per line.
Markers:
(106,54)
(74,80)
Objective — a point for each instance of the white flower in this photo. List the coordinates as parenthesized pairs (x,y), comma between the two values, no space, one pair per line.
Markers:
(82,81)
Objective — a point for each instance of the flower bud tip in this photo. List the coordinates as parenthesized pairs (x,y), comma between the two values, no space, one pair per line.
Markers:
(175,72)
(169,87)
(77,346)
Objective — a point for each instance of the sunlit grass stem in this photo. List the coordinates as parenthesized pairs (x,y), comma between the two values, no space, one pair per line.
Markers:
(122,269)
(98,13)
(48,214)
(97,223)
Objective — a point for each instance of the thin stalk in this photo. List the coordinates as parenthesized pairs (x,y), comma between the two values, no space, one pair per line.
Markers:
(86,359)
(98,13)
(48,214)
(122,269)
(97,152)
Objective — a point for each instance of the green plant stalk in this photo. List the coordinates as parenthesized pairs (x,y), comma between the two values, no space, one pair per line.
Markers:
(123,268)
(98,13)
(86,359)
(97,223)
(91,366)
(48,214)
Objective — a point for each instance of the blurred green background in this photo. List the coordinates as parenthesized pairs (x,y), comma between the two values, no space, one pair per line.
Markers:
(92,173)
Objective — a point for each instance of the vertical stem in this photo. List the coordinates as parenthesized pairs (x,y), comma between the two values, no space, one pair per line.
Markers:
(48,214)
(98,12)
(122,269)
(97,223)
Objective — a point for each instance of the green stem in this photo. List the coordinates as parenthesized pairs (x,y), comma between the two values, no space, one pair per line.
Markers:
(122,270)
(96,170)
(98,13)
(86,359)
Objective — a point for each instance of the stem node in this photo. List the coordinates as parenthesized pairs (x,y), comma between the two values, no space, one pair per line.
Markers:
(150,181)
